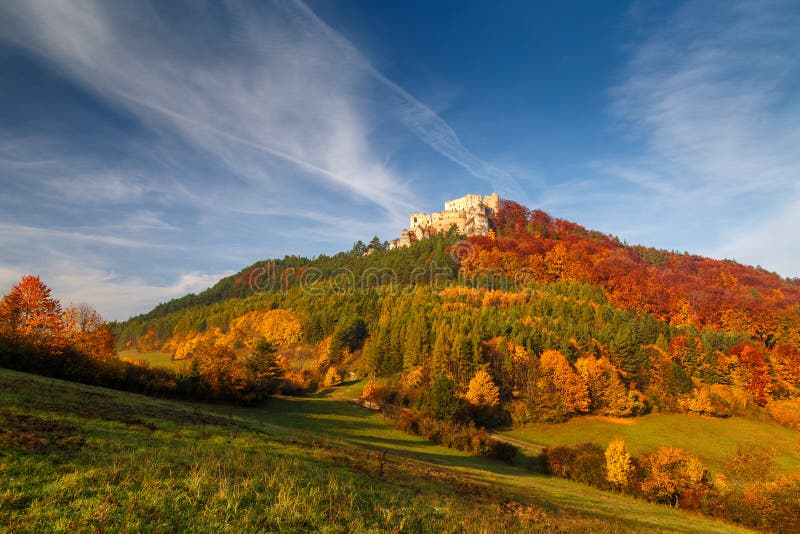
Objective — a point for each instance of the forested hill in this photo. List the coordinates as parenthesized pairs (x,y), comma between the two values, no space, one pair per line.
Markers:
(679,288)
(636,328)
(277,274)
(529,245)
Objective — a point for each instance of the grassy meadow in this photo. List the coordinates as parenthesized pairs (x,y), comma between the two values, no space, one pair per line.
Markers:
(154,358)
(711,439)
(75,457)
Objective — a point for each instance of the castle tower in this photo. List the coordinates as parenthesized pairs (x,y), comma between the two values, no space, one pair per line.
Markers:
(492,203)
(419,220)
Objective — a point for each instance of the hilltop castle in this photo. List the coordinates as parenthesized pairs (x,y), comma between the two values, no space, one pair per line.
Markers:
(470,214)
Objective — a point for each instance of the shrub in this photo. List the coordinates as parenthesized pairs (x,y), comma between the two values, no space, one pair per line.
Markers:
(558,460)
(584,463)
(296,383)
(589,466)
(465,438)
(776,503)
(786,412)
(751,463)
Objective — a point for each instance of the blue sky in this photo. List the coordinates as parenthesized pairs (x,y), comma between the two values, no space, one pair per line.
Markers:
(146,149)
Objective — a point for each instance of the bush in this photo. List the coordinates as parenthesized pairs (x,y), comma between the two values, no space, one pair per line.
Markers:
(776,503)
(589,466)
(465,438)
(558,460)
(297,383)
(786,412)
(585,463)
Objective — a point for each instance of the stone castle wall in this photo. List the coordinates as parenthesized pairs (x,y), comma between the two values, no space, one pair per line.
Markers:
(470,214)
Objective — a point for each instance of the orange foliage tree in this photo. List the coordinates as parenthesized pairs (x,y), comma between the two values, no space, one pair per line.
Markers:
(786,359)
(277,326)
(607,393)
(671,473)
(221,375)
(679,288)
(29,313)
(86,330)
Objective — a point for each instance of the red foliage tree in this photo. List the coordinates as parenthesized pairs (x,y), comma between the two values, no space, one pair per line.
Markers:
(679,288)
(756,373)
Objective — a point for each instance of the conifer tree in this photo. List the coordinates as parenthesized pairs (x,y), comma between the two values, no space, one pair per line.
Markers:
(264,369)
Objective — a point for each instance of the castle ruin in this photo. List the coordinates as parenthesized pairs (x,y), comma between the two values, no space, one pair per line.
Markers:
(470,215)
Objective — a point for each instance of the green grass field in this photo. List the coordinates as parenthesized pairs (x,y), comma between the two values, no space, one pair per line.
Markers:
(154,358)
(79,458)
(713,440)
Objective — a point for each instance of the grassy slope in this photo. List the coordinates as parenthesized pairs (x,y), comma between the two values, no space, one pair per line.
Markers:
(76,457)
(713,440)
(154,358)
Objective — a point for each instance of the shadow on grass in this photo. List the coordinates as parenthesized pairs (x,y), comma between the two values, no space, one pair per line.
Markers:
(337,419)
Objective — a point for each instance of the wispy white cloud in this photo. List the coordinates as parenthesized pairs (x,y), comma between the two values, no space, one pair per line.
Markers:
(290,90)
(271,92)
(115,297)
(89,187)
(772,244)
(422,120)
(13,231)
(710,93)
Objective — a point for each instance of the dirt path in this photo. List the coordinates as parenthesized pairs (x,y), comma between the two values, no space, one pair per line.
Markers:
(527,445)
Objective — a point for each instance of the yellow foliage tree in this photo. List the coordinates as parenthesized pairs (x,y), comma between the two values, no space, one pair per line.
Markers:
(700,401)
(413,378)
(371,392)
(332,377)
(555,261)
(607,393)
(482,390)
(559,388)
(619,467)
(281,327)
(185,347)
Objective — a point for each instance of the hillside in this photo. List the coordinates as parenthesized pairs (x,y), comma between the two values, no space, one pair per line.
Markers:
(646,329)
(81,457)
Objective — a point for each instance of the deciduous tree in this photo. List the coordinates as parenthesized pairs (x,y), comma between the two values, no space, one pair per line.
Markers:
(482,390)
(28,312)
(670,473)
(560,389)
(86,330)
(619,466)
